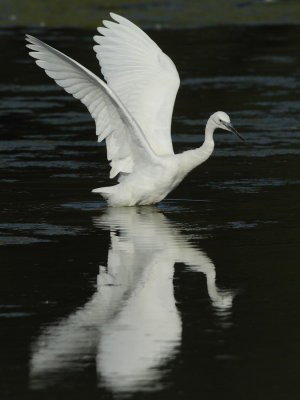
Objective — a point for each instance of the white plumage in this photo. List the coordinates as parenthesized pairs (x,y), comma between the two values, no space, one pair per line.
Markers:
(132,111)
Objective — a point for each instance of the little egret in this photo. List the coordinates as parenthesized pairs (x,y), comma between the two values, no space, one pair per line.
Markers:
(132,111)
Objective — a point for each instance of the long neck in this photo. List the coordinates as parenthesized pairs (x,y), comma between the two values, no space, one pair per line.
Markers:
(192,158)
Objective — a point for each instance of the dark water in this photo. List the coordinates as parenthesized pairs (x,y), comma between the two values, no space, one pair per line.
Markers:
(195,297)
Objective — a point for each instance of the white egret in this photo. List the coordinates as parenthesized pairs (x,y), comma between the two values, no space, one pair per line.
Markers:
(132,111)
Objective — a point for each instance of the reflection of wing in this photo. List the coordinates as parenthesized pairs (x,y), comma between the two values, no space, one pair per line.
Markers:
(143,77)
(147,329)
(64,346)
(125,141)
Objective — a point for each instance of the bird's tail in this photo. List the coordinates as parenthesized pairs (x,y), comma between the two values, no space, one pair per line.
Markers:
(105,192)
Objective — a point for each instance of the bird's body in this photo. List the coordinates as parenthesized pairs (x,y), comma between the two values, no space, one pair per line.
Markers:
(132,111)
(148,185)
(145,186)
(153,182)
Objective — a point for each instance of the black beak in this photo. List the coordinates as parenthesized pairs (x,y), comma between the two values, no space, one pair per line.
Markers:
(233,130)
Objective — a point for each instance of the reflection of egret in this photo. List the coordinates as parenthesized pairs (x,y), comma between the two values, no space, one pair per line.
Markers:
(133,111)
(131,325)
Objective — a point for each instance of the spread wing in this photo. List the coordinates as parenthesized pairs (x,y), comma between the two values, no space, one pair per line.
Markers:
(125,141)
(143,77)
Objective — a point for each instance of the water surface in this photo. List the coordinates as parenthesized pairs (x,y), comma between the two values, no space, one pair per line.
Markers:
(195,297)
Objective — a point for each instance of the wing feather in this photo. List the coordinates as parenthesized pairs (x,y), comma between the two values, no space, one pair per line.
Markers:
(144,78)
(125,141)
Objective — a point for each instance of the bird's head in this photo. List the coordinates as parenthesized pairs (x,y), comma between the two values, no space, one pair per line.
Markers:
(221,120)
